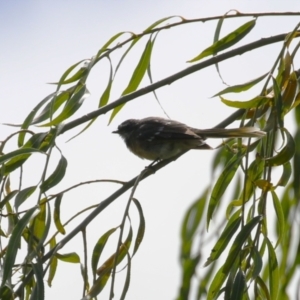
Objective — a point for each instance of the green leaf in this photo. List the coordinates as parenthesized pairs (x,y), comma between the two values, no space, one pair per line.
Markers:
(39,289)
(263,288)
(104,48)
(257,101)
(23,195)
(273,271)
(257,263)
(191,222)
(286,174)
(278,102)
(98,249)
(7,198)
(240,239)
(127,279)
(227,41)
(239,286)
(137,75)
(148,29)
(28,120)
(71,106)
(242,87)
(53,263)
(66,74)
(285,154)
(280,217)
(142,226)
(225,237)
(56,176)
(216,284)
(105,96)
(13,244)
(53,106)
(56,214)
(69,257)
(221,185)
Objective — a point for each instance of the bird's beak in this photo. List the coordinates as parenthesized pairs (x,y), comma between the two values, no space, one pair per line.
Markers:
(116,131)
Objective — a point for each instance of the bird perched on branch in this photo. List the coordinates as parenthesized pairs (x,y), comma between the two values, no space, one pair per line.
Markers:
(156,138)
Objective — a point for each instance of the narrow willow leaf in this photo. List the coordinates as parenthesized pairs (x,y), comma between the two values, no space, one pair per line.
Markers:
(56,176)
(53,263)
(39,289)
(23,195)
(241,87)
(286,174)
(225,237)
(216,284)
(285,154)
(148,29)
(257,263)
(7,198)
(127,279)
(108,265)
(14,242)
(188,272)
(191,222)
(30,117)
(56,214)
(239,286)
(78,75)
(53,106)
(240,239)
(71,106)
(227,41)
(253,103)
(278,102)
(98,286)
(104,48)
(66,74)
(273,271)
(259,282)
(221,185)
(98,248)
(137,75)
(289,93)
(142,226)
(69,257)
(6,293)
(280,217)
(18,157)
(296,164)
(105,96)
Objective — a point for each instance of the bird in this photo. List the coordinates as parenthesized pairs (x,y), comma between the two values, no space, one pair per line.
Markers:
(156,138)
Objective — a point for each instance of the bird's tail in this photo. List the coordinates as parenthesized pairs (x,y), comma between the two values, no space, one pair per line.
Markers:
(230,133)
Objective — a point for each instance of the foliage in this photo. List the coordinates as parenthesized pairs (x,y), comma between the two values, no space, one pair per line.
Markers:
(244,263)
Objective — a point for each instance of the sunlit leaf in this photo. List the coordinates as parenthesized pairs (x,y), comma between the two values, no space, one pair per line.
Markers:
(56,214)
(241,87)
(137,75)
(69,257)
(216,284)
(227,41)
(53,263)
(98,249)
(257,101)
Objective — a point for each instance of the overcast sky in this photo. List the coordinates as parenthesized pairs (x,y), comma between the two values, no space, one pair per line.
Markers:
(41,39)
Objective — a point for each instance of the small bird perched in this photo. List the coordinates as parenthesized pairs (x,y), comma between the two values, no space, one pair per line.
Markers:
(157,138)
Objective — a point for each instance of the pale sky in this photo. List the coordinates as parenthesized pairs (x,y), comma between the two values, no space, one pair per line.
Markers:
(41,39)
